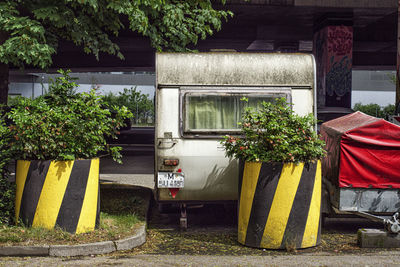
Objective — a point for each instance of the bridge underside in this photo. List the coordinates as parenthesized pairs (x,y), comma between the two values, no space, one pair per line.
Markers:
(268,26)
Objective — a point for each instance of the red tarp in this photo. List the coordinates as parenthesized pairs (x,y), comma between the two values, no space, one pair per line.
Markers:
(363,152)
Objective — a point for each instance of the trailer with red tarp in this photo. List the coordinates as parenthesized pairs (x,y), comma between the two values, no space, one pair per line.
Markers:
(361,172)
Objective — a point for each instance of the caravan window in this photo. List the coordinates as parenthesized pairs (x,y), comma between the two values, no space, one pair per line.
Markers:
(219,112)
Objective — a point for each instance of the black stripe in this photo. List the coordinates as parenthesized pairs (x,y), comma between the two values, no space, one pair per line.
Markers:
(262,201)
(297,220)
(319,231)
(98,207)
(241,170)
(33,187)
(71,206)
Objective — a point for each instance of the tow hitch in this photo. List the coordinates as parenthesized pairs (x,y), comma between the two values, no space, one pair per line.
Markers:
(391,224)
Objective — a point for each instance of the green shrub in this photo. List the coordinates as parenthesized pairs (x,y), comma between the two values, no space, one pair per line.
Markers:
(375,110)
(64,125)
(274,133)
(7,189)
(13,100)
(388,110)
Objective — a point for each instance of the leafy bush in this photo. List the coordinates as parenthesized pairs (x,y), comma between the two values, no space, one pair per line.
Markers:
(13,100)
(137,103)
(389,110)
(7,189)
(63,124)
(274,133)
(375,110)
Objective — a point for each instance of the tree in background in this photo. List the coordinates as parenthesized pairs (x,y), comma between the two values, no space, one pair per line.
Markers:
(139,104)
(30,30)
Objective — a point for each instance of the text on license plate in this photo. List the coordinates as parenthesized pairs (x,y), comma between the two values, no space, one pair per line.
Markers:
(170,180)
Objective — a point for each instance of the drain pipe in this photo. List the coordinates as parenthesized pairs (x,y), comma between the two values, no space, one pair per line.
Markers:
(315,90)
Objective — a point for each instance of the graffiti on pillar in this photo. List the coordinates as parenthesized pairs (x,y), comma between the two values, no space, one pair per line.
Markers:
(333,46)
(338,79)
(340,48)
(340,40)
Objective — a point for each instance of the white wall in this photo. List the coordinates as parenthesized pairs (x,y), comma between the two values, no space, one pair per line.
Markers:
(374,87)
(382,98)
(25,89)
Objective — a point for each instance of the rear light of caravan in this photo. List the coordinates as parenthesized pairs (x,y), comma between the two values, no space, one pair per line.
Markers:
(171,162)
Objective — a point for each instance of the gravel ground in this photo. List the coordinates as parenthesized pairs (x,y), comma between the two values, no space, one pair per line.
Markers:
(211,241)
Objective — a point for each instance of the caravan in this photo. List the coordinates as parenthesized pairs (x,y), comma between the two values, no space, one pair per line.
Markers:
(198,101)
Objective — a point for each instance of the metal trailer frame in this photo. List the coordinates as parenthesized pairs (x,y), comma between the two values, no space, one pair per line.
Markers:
(378,205)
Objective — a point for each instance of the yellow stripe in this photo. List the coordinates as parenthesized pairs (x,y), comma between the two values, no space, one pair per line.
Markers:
(20,179)
(250,178)
(311,230)
(87,219)
(281,205)
(52,194)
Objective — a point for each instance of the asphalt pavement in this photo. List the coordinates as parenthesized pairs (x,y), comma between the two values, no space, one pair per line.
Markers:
(137,167)
(323,259)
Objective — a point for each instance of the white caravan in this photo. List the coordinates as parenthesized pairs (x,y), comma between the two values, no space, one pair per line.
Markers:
(198,101)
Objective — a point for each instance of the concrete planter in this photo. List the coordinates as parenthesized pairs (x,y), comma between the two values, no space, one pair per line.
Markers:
(58,193)
(280,205)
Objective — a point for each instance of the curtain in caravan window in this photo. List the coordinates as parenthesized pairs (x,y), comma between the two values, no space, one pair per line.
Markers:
(218,112)
(213,112)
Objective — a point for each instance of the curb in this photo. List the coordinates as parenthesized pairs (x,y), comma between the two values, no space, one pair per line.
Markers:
(82,249)
(377,238)
(25,251)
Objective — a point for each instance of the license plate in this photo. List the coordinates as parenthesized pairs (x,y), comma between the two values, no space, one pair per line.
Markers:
(170,180)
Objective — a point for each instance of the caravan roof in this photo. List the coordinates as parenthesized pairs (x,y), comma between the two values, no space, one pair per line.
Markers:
(235,69)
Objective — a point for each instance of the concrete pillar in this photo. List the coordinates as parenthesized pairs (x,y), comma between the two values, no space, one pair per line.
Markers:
(398,61)
(333,49)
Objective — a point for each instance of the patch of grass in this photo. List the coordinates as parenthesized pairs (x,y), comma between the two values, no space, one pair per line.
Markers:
(123,211)
(123,201)
(116,226)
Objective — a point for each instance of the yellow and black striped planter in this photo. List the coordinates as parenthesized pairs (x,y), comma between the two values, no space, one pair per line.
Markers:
(280,205)
(58,193)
